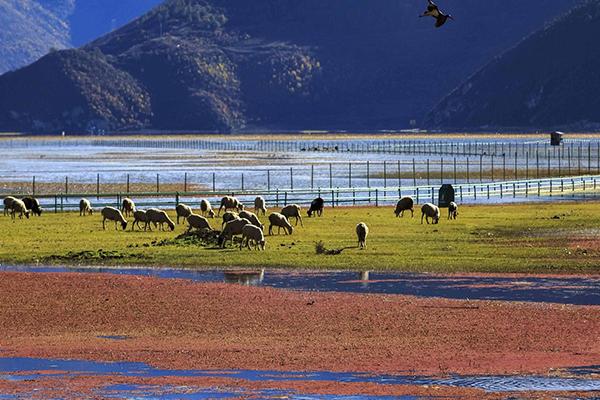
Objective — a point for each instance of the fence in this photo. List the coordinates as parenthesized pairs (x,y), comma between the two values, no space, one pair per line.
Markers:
(538,189)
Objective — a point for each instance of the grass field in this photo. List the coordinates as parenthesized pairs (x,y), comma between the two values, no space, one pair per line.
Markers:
(538,238)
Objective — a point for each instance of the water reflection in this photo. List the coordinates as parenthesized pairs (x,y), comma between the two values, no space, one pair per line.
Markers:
(245,277)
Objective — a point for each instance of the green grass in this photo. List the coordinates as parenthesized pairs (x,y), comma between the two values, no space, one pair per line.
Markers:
(539,238)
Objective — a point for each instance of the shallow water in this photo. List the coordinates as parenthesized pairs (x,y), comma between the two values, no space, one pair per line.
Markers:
(576,290)
(27,369)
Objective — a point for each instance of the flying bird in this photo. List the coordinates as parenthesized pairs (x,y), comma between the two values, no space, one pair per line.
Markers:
(434,11)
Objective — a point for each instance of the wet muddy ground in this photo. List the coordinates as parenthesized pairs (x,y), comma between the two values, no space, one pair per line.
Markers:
(257,338)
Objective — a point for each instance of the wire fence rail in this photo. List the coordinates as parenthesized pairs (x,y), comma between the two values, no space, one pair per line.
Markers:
(519,190)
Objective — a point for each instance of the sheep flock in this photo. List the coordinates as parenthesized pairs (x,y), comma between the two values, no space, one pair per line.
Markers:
(236,221)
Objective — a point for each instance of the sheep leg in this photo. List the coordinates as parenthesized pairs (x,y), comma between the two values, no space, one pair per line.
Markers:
(270,230)
(103,224)
(422,215)
(301,223)
(412,213)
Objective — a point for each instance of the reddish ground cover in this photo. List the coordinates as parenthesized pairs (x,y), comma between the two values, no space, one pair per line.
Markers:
(181,324)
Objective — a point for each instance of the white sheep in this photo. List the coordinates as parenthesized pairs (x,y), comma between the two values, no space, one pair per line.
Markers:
(255,234)
(280,221)
(206,209)
(230,203)
(198,222)
(140,216)
(113,214)
(429,210)
(18,206)
(232,228)
(229,216)
(252,218)
(260,206)
(183,211)
(8,202)
(452,210)
(128,206)
(362,230)
(292,211)
(404,204)
(85,207)
(159,217)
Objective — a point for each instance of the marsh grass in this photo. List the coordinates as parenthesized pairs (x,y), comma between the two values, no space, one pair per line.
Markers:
(540,238)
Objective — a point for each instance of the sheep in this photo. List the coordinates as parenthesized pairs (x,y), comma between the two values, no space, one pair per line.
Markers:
(183,211)
(252,218)
(113,214)
(231,229)
(18,206)
(293,210)
(429,210)
(8,202)
(230,203)
(159,217)
(259,205)
(206,208)
(316,206)
(140,216)
(128,206)
(33,204)
(280,221)
(254,234)
(85,207)
(196,221)
(452,210)
(228,216)
(405,203)
(362,230)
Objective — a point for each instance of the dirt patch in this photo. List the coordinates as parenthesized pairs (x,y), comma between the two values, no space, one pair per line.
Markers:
(204,238)
(92,255)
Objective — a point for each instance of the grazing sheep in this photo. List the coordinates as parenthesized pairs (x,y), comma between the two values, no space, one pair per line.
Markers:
(113,214)
(33,204)
(229,216)
(19,207)
(260,206)
(183,211)
(231,229)
(128,206)
(8,202)
(230,203)
(316,206)
(280,221)
(198,222)
(159,217)
(452,210)
(252,218)
(405,203)
(254,234)
(432,211)
(140,216)
(206,208)
(293,210)
(85,207)
(362,230)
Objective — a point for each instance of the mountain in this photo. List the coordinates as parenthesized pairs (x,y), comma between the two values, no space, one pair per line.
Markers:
(549,80)
(31,28)
(28,31)
(222,65)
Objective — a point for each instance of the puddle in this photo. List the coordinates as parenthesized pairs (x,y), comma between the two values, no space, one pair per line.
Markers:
(564,290)
(30,369)
(114,337)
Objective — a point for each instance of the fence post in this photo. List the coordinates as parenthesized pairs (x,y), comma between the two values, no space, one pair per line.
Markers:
(415,175)
(242,181)
(127,183)
(481,168)
(468,180)
(185,182)
(33,186)
(97,186)
(384,174)
(214,182)
(176,198)
(332,200)
(331,175)
(292,178)
(368,174)
(376,197)
(349,175)
(157,183)
(55,204)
